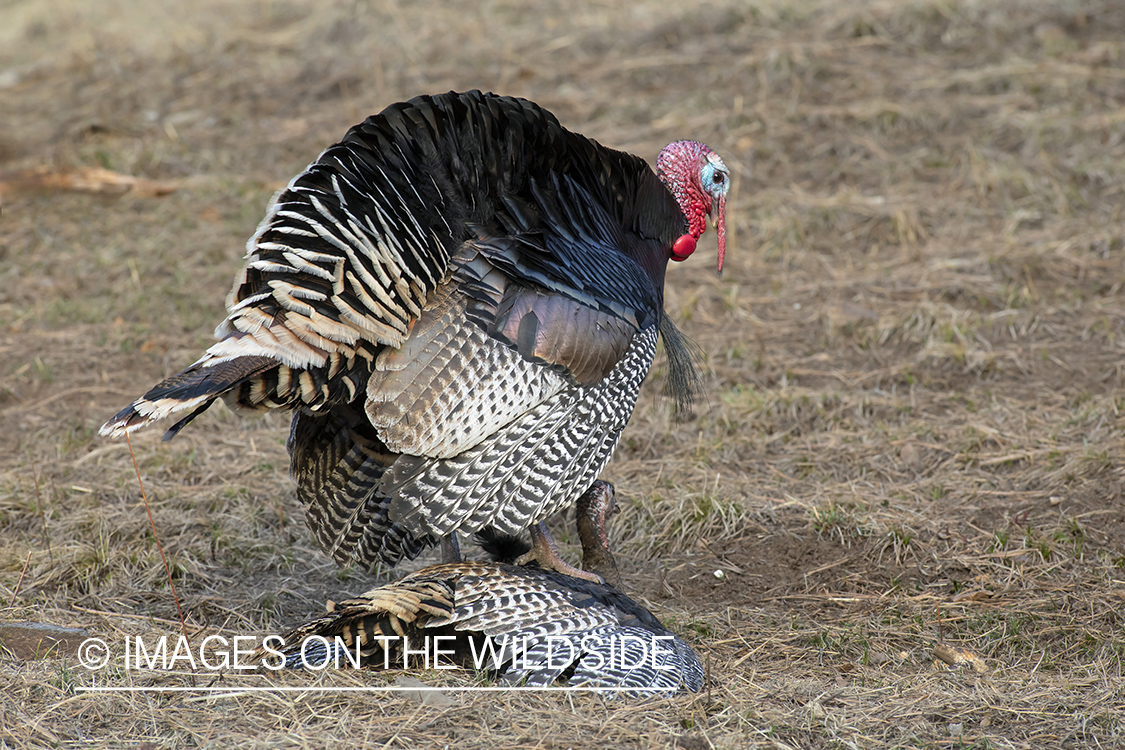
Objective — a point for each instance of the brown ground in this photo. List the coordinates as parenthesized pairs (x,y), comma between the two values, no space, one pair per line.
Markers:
(913,428)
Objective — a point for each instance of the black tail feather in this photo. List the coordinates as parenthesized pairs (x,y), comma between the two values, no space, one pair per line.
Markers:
(202,380)
(196,388)
(175,429)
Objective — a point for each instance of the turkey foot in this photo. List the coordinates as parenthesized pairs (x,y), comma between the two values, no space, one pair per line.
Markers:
(545,552)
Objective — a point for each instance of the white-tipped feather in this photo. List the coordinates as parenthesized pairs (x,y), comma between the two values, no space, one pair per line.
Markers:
(152,411)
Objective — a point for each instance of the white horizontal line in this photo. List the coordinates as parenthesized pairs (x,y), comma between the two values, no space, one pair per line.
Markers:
(369,689)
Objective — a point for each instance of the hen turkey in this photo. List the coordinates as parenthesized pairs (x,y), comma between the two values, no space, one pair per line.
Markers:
(458,302)
(530,626)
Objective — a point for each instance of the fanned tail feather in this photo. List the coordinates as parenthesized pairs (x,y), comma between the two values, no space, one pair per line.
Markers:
(196,388)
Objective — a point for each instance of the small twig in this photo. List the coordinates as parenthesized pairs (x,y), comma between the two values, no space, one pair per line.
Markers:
(64,394)
(159,546)
(42,515)
(16,593)
(145,618)
(708,710)
(955,656)
(281,523)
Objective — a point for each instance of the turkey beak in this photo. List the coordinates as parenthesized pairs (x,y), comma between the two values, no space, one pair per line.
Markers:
(719,209)
(611,506)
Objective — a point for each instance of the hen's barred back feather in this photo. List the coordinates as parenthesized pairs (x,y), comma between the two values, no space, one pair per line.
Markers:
(459,301)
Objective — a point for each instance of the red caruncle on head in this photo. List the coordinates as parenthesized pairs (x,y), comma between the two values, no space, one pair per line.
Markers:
(699,180)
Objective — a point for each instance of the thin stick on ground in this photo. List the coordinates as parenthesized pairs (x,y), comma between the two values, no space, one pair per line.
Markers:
(156,538)
(39,511)
(16,591)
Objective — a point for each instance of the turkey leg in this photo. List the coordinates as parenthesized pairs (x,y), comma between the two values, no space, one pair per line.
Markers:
(450,549)
(545,551)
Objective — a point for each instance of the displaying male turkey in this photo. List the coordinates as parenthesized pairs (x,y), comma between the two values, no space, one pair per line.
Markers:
(459,302)
(530,626)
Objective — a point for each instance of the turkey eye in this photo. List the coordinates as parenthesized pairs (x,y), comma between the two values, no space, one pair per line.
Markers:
(718,178)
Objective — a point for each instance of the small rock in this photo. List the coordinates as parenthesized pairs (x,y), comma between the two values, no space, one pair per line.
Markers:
(428,697)
(875,658)
(1049,32)
(911,457)
(38,640)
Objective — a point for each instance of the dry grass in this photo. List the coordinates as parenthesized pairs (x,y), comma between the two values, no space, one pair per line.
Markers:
(913,430)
